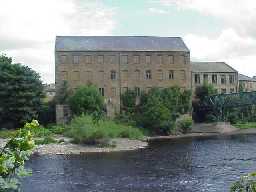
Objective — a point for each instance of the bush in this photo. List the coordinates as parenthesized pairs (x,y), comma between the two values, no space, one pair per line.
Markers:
(184,124)
(87,100)
(245,184)
(83,129)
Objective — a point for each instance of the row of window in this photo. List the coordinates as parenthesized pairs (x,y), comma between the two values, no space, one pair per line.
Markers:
(214,79)
(224,90)
(113,75)
(123,90)
(112,59)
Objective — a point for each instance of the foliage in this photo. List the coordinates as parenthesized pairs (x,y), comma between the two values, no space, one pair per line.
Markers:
(245,184)
(87,100)
(47,112)
(7,133)
(13,157)
(83,129)
(246,125)
(184,124)
(45,140)
(21,93)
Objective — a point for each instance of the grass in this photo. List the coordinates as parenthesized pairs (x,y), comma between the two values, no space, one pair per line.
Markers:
(84,130)
(5,133)
(248,125)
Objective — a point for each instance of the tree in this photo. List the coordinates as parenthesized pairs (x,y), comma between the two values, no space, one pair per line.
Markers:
(87,100)
(21,93)
(63,94)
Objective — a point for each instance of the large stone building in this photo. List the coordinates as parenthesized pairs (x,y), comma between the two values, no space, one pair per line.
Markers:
(246,83)
(222,76)
(118,63)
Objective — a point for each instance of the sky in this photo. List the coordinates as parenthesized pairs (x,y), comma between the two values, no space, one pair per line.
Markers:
(214,30)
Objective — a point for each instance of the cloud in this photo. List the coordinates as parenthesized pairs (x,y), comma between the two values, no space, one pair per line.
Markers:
(157,11)
(28,28)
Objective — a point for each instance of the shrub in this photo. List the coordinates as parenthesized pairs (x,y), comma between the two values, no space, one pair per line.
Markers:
(45,140)
(245,184)
(87,100)
(184,124)
(83,129)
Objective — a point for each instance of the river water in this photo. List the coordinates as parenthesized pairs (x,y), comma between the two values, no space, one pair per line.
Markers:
(186,165)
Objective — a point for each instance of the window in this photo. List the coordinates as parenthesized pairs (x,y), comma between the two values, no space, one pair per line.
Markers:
(148,59)
(75,59)
(197,78)
(137,91)
(113,75)
(101,90)
(113,91)
(63,59)
(182,59)
(182,75)
(101,75)
(232,90)
(124,75)
(205,78)
(124,59)
(112,59)
(170,59)
(214,79)
(171,74)
(88,75)
(100,59)
(124,89)
(136,59)
(75,76)
(160,59)
(160,75)
(148,74)
(88,59)
(223,79)
(223,91)
(64,75)
(231,79)
(137,75)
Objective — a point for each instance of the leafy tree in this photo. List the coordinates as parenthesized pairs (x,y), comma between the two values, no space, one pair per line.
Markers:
(21,93)
(87,100)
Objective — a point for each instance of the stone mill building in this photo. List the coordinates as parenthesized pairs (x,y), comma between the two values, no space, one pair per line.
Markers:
(118,63)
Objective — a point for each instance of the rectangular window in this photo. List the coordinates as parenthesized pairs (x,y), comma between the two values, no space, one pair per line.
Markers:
(197,78)
(63,59)
(124,75)
(148,59)
(137,91)
(113,91)
(231,79)
(75,59)
(124,89)
(124,59)
(182,59)
(75,76)
(136,59)
(223,91)
(170,59)
(137,75)
(205,78)
(160,75)
(112,59)
(171,74)
(100,59)
(182,75)
(214,79)
(88,75)
(113,75)
(223,79)
(160,60)
(88,59)
(101,75)
(148,74)
(101,90)
(64,75)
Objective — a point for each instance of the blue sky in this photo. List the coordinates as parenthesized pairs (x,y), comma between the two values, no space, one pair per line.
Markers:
(213,30)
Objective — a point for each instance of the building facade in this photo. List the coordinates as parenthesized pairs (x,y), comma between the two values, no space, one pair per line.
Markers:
(222,76)
(246,83)
(118,63)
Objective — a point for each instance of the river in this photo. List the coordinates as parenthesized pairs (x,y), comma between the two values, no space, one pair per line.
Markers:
(185,165)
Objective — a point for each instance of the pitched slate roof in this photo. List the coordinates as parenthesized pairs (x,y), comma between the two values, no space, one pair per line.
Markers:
(119,43)
(213,67)
(242,77)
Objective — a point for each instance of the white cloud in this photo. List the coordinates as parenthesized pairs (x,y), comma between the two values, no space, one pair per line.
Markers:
(157,11)
(28,28)
(236,44)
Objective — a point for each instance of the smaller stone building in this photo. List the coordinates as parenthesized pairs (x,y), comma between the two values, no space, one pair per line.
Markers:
(246,83)
(222,76)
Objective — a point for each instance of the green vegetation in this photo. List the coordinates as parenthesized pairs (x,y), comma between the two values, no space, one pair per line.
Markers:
(184,124)
(157,110)
(245,125)
(21,93)
(245,184)
(13,157)
(83,129)
(87,100)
